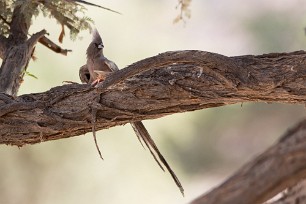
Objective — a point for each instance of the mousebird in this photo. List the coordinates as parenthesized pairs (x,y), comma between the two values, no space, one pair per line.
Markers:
(95,71)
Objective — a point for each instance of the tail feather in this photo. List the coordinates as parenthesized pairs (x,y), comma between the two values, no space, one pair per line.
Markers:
(138,135)
(141,132)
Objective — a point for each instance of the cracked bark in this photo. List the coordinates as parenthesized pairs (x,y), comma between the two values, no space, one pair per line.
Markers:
(165,84)
(292,195)
(169,83)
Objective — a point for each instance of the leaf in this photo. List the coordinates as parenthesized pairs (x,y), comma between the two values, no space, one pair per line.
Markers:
(31,75)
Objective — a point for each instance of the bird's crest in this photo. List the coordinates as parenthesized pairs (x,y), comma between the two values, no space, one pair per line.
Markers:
(96,38)
(95,48)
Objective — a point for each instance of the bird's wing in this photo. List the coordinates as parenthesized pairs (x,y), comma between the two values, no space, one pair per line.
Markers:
(84,74)
(113,67)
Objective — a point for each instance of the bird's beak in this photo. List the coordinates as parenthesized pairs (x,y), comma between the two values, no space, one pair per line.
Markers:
(100,46)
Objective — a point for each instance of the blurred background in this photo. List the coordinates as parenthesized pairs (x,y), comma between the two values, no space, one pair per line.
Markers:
(203,147)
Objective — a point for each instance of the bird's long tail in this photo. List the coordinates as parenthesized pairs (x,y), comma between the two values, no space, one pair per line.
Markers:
(143,135)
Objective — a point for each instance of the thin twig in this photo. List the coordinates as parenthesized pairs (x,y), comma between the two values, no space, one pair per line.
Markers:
(91,4)
(4,20)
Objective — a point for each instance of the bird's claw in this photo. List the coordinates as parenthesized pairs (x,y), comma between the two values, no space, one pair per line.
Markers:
(98,80)
(101,76)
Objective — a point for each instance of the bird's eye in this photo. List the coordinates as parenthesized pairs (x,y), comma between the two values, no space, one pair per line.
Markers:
(99,46)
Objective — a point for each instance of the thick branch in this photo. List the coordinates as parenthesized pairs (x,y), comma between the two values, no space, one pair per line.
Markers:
(171,82)
(19,26)
(281,166)
(3,46)
(292,195)
(15,62)
(18,51)
(3,39)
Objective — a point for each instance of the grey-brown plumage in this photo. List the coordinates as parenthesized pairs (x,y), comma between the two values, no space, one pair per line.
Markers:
(84,74)
(98,65)
(96,70)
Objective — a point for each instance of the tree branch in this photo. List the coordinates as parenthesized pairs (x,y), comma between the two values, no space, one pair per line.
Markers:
(3,40)
(52,46)
(91,4)
(19,26)
(4,20)
(43,40)
(15,62)
(282,165)
(168,83)
(3,46)
(292,195)
(18,51)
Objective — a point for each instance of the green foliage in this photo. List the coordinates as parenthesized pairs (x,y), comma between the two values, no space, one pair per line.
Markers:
(67,13)
(30,75)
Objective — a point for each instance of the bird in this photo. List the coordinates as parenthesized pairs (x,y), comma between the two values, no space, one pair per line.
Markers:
(97,68)
(97,64)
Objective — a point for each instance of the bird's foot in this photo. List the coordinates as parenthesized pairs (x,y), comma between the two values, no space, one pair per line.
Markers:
(101,76)
(98,80)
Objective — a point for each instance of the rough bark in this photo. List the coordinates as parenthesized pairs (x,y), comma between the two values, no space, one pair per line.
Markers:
(19,26)
(15,62)
(293,195)
(169,83)
(16,51)
(3,46)
(281,166)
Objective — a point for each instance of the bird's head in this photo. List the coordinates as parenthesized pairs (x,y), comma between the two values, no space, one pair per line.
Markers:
(96,46)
